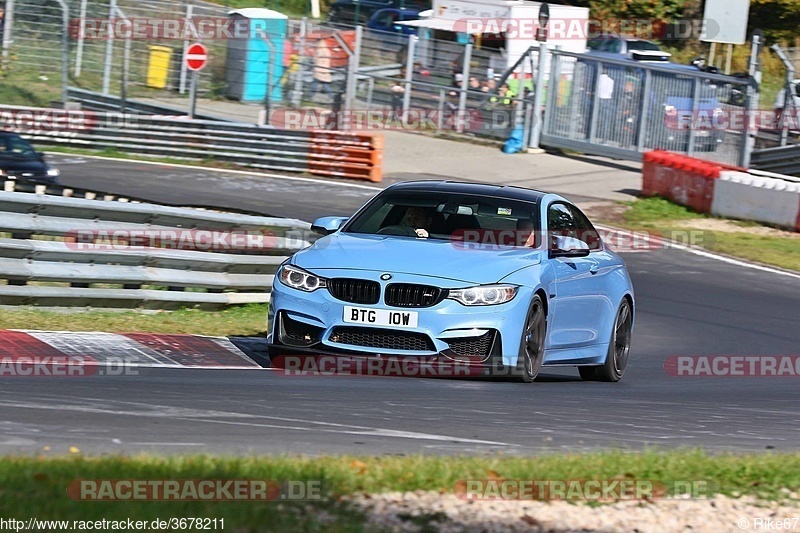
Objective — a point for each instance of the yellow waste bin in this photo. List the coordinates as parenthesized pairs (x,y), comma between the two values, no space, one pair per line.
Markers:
(158,66)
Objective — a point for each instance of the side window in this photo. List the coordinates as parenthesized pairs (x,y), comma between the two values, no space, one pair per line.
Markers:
(586,231)
(560,222)
(20,146)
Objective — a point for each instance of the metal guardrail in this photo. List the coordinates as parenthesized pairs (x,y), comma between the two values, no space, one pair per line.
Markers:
(782,159)
(317,152)
(107,102)
(79,252)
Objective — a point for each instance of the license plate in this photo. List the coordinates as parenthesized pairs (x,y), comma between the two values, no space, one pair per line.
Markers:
(702,133)
(380,317)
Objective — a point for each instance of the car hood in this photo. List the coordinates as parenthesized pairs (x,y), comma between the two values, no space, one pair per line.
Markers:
(426,257)
(22,165)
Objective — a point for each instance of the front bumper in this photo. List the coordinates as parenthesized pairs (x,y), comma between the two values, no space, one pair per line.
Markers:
(314,322)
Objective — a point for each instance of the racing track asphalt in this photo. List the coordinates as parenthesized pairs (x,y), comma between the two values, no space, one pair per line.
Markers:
(687,304)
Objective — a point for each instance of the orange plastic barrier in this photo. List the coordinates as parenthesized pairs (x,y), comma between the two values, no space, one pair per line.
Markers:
(346,155)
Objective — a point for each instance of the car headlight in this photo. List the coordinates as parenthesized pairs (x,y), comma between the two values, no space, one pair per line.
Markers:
(299,279)
(484,294)
(52,172)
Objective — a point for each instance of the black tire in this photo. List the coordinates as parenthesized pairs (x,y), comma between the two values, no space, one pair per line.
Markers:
(618,349)
(531,346)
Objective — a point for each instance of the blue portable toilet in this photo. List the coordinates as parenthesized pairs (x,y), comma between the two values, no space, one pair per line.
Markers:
(259,37)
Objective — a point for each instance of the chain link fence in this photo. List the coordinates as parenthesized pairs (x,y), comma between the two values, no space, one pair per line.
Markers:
(382,80)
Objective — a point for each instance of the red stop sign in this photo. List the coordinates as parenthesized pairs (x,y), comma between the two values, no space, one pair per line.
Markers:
(196,57)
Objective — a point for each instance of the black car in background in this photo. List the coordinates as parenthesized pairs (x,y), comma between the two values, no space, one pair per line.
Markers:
(19,161)
(360,11)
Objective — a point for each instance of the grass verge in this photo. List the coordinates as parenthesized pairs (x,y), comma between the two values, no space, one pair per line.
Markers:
(234,321)
(38,486)
(746,240)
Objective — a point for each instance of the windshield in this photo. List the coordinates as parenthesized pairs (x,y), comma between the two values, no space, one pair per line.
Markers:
(12,146)
(449,216)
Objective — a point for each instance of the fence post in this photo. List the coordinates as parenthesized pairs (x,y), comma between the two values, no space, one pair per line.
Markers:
(412,44)
(595,109)
(81,38)
(462,98)
(643,110)
(182,83)
(297,95)
(64,52)
(693,119)
(538,97)
(352,72)
(112,11)
(8,27)
(788,96)
(370,91)
(747,140)
(440,116)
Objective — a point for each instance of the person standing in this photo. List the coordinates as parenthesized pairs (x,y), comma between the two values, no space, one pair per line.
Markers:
(322,70)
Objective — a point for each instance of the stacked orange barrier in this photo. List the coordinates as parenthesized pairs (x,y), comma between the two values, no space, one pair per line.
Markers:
(686,180)
(346,155)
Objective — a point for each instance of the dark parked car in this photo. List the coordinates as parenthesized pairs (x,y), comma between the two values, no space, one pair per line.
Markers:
(19,161)
(360,11)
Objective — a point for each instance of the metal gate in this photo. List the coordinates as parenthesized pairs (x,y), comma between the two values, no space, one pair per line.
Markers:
(622,108)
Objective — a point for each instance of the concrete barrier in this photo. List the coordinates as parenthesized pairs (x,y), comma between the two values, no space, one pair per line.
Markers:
(721,190)
(744,196)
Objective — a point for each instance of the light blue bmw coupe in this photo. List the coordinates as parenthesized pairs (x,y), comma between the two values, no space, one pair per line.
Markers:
(504,278)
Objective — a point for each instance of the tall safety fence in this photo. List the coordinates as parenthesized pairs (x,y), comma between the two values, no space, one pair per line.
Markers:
(295,74)
(615,108)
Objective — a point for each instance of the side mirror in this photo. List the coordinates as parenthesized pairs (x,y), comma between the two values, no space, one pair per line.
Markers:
(568,247)
(327,225)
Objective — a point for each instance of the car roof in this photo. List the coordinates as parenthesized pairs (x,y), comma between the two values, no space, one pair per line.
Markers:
(481,189)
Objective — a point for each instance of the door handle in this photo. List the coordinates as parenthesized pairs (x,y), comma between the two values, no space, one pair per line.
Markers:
(595,268)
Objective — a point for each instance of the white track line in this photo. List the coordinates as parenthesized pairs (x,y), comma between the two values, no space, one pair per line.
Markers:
(703,253)
(243,172)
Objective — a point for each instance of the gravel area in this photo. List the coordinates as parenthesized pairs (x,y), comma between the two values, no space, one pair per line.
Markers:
(432,511)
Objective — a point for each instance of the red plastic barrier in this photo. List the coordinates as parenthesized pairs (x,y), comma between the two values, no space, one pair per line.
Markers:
(686,180)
